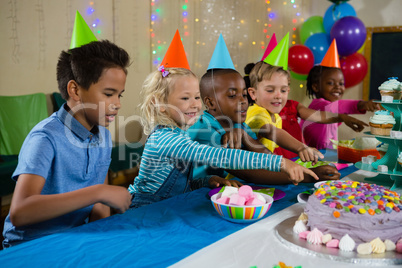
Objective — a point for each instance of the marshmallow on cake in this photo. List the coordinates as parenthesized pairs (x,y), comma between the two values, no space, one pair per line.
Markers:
(392,87)
(381,123)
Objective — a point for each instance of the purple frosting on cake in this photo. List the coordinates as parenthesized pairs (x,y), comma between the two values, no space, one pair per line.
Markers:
(360,225)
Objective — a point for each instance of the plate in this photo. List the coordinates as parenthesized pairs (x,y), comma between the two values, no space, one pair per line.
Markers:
(317,184)
(284,232)
(303,197)
(278,194)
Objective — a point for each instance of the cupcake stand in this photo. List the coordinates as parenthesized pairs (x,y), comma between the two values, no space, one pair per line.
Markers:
(392,177)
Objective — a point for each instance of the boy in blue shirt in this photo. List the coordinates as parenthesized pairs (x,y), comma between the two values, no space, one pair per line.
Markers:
(62,168)
(224,94)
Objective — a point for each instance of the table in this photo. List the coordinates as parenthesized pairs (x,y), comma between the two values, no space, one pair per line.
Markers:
(157,235)
(257,245)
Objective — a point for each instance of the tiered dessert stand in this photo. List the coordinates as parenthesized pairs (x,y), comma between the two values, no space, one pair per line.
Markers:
(394,174)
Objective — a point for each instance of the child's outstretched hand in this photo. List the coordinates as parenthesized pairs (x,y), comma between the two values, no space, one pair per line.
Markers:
(295,171)
(308,154)
(368,106)
(232,138)
(354,123)
(216,181)
(327,172)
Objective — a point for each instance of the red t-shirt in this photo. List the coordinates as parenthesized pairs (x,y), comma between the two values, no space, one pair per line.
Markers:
(291,125)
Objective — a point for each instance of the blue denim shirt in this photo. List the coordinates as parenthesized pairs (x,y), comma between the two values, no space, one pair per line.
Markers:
(69,157)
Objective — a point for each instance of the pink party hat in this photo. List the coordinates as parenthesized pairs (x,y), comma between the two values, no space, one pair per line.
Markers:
(279,55)
(271,45)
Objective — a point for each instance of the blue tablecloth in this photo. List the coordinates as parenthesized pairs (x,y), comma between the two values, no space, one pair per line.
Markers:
(157,235)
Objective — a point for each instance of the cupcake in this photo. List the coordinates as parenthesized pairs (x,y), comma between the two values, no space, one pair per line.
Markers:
(382,149)
(399,159)
(392,87)
(381,123)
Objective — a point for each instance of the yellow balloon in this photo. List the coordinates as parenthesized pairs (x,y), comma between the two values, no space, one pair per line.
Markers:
(361,49)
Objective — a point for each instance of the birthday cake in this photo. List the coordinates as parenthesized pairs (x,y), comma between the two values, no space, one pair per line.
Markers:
(345,214)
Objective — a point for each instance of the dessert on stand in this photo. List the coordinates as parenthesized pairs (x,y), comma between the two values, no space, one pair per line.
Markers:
(388,168)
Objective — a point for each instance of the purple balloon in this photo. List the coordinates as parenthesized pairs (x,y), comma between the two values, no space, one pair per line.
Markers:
(350,34)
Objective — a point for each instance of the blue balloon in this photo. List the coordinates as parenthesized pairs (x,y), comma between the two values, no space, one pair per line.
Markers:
(350,34)
(319,44)
(336,12)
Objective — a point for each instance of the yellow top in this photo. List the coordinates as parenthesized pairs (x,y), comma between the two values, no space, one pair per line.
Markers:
(257,117)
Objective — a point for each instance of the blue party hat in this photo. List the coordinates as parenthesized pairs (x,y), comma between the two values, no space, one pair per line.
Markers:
(221,58)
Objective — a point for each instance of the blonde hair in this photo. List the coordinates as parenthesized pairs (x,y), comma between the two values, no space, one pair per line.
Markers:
(155,92)
(264,71)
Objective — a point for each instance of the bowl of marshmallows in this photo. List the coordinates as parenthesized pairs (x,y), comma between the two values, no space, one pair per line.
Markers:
(241,205)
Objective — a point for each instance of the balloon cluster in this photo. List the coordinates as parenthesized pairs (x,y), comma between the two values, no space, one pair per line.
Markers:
(316,33)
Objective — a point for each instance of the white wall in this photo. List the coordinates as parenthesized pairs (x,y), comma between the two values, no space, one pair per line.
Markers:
(34,32)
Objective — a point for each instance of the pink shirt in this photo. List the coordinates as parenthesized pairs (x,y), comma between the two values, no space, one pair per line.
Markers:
(319,135)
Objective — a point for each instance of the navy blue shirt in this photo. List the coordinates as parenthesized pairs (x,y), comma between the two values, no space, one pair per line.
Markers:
(69,157)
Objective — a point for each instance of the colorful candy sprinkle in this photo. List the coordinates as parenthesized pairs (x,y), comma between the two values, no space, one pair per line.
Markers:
(388,209)
(356,197)
(336,214)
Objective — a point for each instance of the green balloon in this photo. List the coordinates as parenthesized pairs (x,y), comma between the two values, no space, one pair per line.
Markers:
(298,76)
(311,26)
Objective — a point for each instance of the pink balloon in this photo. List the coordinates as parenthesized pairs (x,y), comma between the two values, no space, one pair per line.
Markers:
(354,68)
(301,59)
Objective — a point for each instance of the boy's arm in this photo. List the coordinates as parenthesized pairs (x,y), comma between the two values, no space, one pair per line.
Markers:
(285,140)
(253,145)
(99,210)
(28,206)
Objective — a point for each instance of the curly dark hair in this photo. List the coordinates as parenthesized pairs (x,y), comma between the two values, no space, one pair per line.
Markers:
(86,64)
(246,77)
(314,77)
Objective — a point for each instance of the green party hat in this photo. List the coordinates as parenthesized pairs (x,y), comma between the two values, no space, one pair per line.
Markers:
(279,55)
(82,34)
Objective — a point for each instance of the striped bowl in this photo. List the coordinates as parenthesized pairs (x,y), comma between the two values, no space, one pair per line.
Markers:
(242,214)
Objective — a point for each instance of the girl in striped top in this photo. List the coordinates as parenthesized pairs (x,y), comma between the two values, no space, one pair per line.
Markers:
(171,104)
